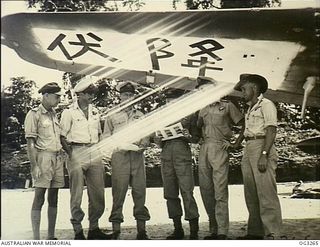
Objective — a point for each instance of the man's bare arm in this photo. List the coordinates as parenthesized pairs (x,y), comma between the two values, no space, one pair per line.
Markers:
(32,154)
(65,145)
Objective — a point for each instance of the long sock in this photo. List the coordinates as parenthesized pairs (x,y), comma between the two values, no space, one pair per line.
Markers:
(213,225)
(177,223)
(194,226)
(141,226)
(35,221)
(52,217)
(116,227)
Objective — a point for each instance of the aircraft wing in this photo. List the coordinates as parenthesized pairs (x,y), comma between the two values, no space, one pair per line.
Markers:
(156,47)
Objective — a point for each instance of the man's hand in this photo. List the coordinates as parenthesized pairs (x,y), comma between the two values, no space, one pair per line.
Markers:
(35,172)
(226,144)
(66,146)
(186,133)
(108,167)
(69,152)
(262,163)
(235,146)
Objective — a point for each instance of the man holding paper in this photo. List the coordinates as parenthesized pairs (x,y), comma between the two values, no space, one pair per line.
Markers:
(177,173)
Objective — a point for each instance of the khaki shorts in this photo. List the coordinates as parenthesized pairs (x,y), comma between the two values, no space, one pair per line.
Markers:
(51,165)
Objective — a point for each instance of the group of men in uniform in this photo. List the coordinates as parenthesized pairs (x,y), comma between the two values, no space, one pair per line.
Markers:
(79,129)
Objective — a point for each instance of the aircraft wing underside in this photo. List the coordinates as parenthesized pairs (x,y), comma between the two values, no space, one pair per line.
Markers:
(281,44)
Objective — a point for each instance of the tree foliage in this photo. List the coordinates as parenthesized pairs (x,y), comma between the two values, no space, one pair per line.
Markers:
(249,3)
(16,101)
(290,114)
(135,5)
(225,4)
(84,5)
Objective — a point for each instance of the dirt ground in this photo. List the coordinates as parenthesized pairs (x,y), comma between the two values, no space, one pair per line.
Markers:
(308,229)
(301,217)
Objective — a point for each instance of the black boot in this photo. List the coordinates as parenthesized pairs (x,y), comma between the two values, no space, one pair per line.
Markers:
(141,228)
(212,236)
(194,229)
(142,236)
(97,234)
(213,229)
(178,232)
(79,236)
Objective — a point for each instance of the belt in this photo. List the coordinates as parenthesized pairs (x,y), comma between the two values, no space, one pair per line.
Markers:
(48,151)
(249,138)
(80,144)
(178,139)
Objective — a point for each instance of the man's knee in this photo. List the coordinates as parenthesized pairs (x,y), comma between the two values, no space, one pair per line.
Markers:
(53,197)
(38,201)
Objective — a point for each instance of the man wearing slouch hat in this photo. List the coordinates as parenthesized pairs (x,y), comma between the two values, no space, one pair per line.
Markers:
(259,160)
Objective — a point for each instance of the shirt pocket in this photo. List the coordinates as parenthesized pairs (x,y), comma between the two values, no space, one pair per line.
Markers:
(45,127)
(218,118)
(257,117)
(77,122)
(94,123)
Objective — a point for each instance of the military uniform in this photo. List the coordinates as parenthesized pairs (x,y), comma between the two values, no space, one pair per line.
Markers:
(127,168)
(42,131)
(82,133)
(177,175)
(216,121)
(44,127)
(260,187)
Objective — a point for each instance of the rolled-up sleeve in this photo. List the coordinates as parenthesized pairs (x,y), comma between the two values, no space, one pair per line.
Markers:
(269,114)
(65,122)
(30,125)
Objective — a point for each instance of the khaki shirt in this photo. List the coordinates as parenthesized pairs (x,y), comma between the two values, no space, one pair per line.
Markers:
(77,128)
(119,120)
(217,119)
(259,116)
(44,127)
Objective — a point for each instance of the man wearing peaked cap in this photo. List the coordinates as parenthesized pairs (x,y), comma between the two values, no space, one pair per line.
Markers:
(259,159)
(51,88)
(80,129)
(85,85)
(42,133)
(127,167)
